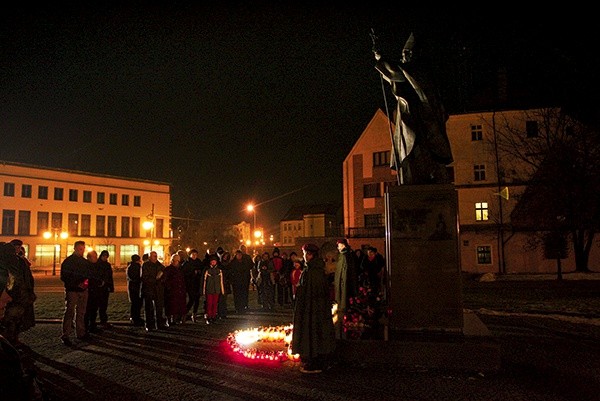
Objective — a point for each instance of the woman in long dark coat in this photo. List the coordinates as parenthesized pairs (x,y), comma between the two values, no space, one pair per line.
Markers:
(175,294)
(313,336)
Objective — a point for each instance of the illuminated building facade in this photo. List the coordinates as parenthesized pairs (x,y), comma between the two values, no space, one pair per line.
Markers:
(122,215)
(487,242)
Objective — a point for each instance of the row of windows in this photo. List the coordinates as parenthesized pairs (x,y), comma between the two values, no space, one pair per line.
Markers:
(377,220)
(373,190)
(292,227)
(531,130)
(26,192)
(45,253)
(77,225)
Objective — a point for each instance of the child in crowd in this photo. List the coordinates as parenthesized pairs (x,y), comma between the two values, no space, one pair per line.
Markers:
(213,288)
(295,277)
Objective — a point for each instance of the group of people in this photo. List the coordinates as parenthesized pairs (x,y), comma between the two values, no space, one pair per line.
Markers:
(275,276)
(316,329)
(172,294)
(88,283)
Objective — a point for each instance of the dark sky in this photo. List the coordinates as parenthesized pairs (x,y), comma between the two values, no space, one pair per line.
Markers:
(233,102)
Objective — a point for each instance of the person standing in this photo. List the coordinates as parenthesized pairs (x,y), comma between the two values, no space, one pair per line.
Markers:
(193,273)
(134,290)
(153,293)
(249,266)
(224,265)
(74,273)
(295,278)
(345,284)
(175,300)
(213,288)
(94,293)
(265,282)
(276,266)
(284,278)
(19,314)
(108,286)
(313,335)
(373,268)
(240,280)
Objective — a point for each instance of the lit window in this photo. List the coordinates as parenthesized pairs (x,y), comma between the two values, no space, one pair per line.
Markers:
(484,255)
(481,211)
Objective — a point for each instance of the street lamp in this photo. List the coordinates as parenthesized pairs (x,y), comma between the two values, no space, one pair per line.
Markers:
(56,232)
(255,231)
(252,208)
(149,226)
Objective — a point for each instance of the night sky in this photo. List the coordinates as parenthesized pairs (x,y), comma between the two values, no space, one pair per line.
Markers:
(237,102)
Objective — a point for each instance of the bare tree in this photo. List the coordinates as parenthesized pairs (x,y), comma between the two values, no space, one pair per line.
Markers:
(558,158)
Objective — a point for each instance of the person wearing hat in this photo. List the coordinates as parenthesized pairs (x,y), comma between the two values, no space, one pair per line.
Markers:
(134,286)
(345,283)
(421,148)
(313,335)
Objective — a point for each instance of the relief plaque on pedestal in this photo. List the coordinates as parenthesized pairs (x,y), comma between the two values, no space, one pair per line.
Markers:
(423,283)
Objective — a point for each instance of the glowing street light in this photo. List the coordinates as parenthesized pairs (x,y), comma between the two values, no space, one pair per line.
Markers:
(148,225)
(255,230)
(56,232)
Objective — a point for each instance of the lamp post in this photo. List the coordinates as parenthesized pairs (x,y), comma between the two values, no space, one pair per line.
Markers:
(252,208)
(149,225)
(56,232)
(254,232)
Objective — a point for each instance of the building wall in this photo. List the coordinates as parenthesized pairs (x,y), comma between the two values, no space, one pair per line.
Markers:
(290,230)
(155,204)
(493,235)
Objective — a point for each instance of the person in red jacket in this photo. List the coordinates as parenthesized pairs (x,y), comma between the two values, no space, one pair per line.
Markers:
(295,277)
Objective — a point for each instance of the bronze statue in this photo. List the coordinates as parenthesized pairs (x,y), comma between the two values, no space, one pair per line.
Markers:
(420,145)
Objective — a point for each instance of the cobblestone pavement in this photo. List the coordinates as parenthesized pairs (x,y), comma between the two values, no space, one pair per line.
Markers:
(541,360)
(544,357)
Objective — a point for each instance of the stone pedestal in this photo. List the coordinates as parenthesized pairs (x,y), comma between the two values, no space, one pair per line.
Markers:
(424,283)
(427,327)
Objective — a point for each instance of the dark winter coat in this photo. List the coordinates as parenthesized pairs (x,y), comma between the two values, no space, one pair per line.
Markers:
(175,293)
(313,332)
(193,272)
(134,280)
